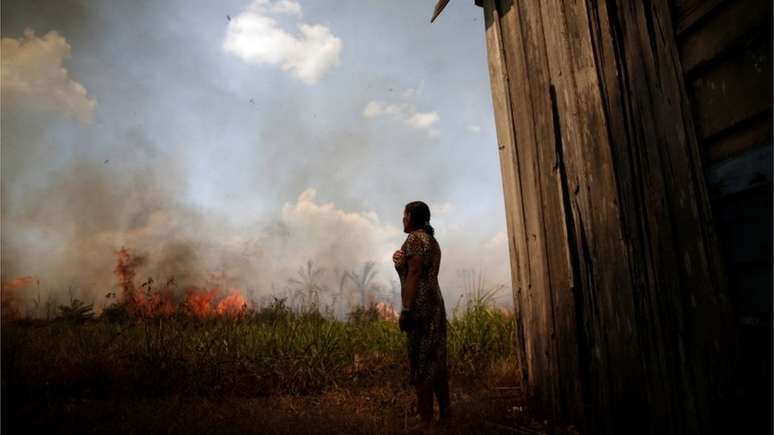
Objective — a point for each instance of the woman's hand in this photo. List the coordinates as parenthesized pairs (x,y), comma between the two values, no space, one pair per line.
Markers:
(399,258)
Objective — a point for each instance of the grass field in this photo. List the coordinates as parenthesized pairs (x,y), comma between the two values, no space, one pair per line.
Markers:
(268,370)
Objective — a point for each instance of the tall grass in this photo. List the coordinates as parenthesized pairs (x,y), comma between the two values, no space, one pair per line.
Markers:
(480,334)
(268,350)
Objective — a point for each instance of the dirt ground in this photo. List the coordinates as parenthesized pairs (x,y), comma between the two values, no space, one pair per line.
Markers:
(496,406)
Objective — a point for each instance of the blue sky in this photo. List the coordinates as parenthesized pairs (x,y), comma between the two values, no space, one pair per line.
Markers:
(295,130)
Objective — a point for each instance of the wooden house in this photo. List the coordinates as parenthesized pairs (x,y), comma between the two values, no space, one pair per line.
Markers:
(635,140)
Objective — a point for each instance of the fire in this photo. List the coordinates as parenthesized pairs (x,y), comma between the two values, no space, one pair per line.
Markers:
(18,283)
(125,270)
(9,302)
(156,304)
(146,301)
(149,299)
(387,312)
(201,303)
(148,304)
(233,305)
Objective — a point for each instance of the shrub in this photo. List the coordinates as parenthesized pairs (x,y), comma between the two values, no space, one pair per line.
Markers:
(77,311)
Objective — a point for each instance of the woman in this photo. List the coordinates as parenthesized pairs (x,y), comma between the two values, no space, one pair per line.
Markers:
(423,317)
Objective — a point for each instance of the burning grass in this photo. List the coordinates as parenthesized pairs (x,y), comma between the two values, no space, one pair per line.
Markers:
(266,351)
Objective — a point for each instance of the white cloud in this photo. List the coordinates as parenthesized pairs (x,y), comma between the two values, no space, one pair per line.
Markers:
(290,7)
(256,38)
(422,120)
(403,112)
(32,72)
(474,128)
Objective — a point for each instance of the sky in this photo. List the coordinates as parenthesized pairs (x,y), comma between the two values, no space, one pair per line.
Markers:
(241,139)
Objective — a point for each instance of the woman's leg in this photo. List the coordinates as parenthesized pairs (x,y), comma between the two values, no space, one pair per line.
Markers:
(425,401)
(441,388)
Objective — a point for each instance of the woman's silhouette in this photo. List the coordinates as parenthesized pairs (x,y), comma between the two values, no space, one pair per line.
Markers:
(423,317)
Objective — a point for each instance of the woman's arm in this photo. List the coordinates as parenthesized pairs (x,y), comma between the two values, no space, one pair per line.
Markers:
(412,281)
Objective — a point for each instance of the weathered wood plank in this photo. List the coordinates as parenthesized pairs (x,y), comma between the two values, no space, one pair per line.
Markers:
(526,159)
(690,12)
(734,90)
(618,43)
(565,111)
(498,73)
(722,31)
(682,252)
(609,299)
(553,190)
(731,142)
(606,34)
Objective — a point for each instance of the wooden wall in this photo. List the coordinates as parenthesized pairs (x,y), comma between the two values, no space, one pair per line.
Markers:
(623,320)
(726,52)
(725,49)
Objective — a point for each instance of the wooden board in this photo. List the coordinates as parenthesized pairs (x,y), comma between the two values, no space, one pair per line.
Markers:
(753,131)
(734,90)
(511,188)
(690,12)
(727,29)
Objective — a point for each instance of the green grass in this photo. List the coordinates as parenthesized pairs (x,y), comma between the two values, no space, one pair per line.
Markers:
(272,350)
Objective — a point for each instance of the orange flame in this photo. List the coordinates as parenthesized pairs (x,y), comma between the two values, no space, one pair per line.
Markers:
(156,304)
(233,305)
(10,307)
(125,270)
(387,312)
(201,303)
(18,283)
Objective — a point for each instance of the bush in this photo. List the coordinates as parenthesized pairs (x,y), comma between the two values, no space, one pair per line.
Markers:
(77,311)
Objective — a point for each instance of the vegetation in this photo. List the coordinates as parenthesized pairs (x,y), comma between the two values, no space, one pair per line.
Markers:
(279,368)
(265,351)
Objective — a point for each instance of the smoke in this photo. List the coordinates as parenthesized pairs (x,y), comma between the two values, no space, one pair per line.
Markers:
(149,136)
(68,233)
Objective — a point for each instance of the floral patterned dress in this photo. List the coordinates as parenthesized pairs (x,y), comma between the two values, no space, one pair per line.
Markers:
(427,341)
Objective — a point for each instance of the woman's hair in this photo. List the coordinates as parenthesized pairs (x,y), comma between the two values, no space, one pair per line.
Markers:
(419,216)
